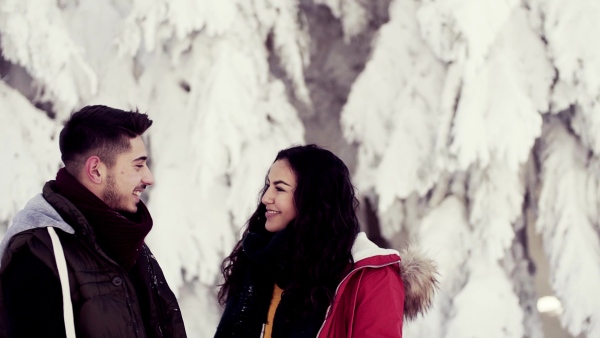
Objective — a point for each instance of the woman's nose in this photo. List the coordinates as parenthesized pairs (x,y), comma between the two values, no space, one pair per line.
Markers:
(267,198)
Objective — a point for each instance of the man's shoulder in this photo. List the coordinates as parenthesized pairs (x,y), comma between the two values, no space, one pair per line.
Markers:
(31,222)
(35,241)
(26,237)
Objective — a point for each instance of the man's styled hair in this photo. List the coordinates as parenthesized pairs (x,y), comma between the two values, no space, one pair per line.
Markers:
(99,130)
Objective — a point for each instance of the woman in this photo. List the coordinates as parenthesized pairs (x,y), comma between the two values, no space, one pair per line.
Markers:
(303,269)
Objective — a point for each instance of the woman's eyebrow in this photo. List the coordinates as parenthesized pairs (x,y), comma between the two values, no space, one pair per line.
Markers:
(282,182)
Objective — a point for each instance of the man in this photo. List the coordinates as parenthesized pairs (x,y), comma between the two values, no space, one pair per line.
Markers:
(117,288)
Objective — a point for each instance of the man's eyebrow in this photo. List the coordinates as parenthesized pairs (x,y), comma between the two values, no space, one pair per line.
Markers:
(281,182)
(141,158)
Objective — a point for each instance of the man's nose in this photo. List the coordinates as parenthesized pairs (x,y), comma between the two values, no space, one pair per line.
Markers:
(148,178)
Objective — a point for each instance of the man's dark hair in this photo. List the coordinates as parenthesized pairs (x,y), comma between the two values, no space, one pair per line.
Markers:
(99,130)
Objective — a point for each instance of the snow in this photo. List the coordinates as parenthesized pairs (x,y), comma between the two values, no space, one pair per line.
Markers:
(471,120)
(489,297)
(569,228)
(444,235)
(549,304)
(30,151)
(496,198)
(507,91)
(35,37)
(392,112)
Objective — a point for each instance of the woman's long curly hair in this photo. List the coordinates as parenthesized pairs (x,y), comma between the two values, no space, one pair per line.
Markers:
(322,234)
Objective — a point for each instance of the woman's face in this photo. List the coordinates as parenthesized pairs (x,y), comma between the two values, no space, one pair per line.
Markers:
(279,196)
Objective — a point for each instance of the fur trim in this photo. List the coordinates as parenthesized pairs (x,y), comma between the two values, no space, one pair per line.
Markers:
(419,275)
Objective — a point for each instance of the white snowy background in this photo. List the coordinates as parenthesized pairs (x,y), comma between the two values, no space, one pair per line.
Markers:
(472,127)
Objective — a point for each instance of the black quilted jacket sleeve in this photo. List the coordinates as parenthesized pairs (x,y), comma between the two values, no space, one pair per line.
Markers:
(32,298)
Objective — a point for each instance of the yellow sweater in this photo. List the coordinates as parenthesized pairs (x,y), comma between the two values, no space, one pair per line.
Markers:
(272,308)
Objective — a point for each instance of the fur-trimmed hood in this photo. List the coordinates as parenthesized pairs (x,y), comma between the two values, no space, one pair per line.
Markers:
(419,275)
(418,272)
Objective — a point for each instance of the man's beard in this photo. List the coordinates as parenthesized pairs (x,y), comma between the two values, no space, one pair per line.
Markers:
(113,199)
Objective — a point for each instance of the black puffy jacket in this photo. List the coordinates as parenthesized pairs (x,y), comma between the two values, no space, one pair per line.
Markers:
(107,300)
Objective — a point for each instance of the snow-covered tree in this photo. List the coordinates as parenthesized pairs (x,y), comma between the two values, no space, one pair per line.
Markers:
(201,72)
(494,68)
(473,121)
(30,151)
(568,220)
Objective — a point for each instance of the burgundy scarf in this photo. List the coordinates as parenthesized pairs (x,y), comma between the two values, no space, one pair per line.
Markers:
(120,234)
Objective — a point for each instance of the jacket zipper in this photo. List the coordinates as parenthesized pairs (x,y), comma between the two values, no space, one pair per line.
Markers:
(135,323)
(159,305)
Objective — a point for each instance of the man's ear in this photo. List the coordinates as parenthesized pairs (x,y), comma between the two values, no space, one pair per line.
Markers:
(94,170)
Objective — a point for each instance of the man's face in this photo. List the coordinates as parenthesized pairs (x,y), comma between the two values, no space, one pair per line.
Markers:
(128,178)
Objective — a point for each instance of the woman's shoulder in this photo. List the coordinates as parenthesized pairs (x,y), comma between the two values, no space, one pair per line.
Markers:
(381,276)
(415,276)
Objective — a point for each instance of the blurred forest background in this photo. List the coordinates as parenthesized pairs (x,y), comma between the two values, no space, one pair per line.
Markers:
(472,128)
